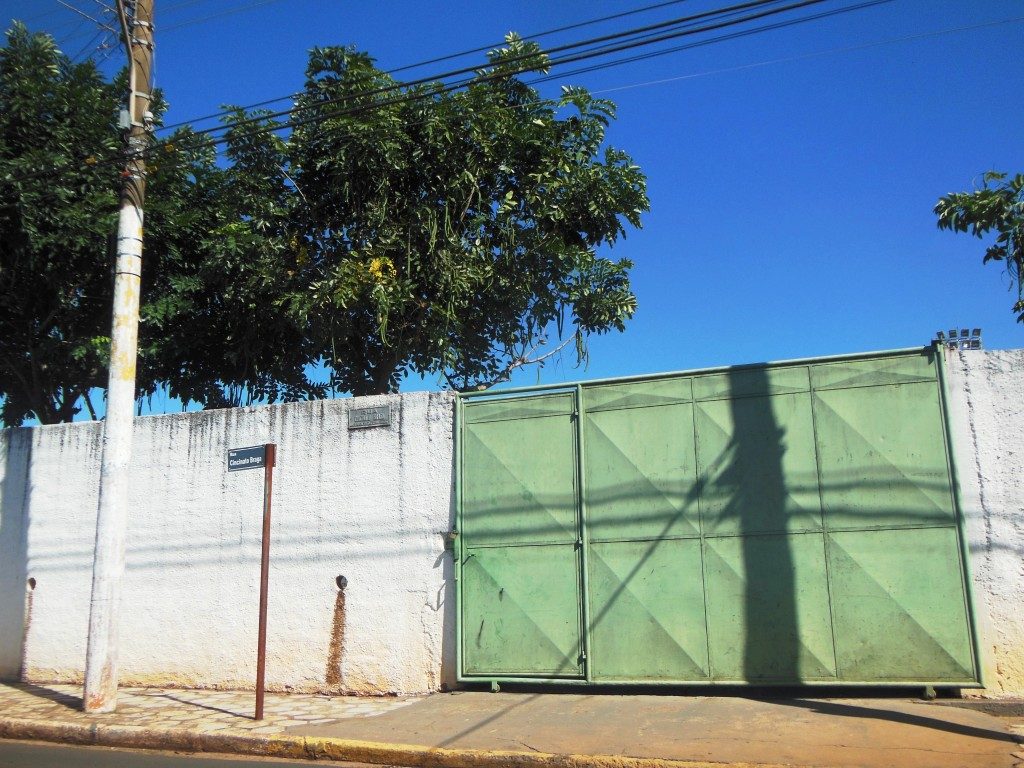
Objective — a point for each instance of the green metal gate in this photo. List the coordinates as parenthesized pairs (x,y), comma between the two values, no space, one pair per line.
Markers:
(785,523)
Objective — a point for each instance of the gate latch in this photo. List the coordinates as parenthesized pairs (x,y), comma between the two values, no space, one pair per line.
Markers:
(449,539)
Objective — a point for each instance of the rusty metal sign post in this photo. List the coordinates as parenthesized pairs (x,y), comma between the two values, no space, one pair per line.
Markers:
(253,458)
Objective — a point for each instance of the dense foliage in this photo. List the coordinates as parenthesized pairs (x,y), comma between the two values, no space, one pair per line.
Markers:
(378,231)
(446,233)
(57,212)
(998,206)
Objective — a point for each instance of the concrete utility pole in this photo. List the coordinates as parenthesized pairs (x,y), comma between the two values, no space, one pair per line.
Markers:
(100,693)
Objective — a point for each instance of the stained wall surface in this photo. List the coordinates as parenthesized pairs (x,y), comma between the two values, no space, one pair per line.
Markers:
(987,414)
(371,505)
(375,506)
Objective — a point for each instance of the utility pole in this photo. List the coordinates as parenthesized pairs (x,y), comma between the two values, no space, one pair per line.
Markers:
(100,693)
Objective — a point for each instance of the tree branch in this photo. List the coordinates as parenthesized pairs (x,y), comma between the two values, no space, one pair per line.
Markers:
(519,362)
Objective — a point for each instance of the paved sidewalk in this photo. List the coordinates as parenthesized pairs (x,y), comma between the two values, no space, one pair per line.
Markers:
(201,711)
(531,730)
(853,733)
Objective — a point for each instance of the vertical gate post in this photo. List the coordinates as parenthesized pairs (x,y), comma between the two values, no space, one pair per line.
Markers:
(457,450)
(584,536)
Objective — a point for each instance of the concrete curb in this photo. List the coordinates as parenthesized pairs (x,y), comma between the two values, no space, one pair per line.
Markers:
(315,748)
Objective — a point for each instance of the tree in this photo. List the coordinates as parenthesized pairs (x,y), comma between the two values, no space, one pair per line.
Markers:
(59,183)
(215,328)
(383,230)
(54,228)
(998,206)
(445,232)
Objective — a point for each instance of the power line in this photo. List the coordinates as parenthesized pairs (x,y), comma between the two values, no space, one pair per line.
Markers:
(219,14)
(721,38)
(551,62)
(55,28)
(812,55)
(88,46)
(271,128)
(85,15)
(101,164)
(682,21)
(448,57)
(406,97)
(546,78)
(42,15)
(78,24)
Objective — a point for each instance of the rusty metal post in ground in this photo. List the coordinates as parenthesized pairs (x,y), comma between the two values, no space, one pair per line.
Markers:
(261,644)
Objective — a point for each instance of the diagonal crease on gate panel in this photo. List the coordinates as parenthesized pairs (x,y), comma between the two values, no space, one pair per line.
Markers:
(520,514)
(907,369)
(623,499)
(859,474)
(512,633)
(655,589)
(892,616)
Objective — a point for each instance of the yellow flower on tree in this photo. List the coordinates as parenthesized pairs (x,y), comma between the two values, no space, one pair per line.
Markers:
(382,269)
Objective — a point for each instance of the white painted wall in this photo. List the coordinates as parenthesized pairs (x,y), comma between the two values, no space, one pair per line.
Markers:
(372,505)
(987,413)
(15,453)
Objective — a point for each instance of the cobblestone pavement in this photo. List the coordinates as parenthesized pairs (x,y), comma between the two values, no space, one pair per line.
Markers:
(229,712)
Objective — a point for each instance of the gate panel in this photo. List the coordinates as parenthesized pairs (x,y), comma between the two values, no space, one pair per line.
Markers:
(520,569)
(644,532)
(519,473)
(521,611)
(883,457)
(647,603)
(899,610)
(768,609)
(779,524)
(641,473)
(756,458)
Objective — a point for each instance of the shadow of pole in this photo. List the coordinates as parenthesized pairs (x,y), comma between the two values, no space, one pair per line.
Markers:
(757,500)
(16,444)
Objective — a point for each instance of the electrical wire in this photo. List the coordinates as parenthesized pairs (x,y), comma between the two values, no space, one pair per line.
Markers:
(682,21)
(547,78)
(812,55)
(78,23)
(219,14)
(85,15)
(721,38)
(477,78)
(77,58)
(274,127)
(448,57)
(42,15)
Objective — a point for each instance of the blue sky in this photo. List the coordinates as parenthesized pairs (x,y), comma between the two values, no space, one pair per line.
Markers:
(792,174)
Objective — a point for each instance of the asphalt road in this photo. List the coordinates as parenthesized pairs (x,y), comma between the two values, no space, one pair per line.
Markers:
(28,754)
